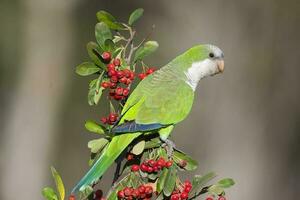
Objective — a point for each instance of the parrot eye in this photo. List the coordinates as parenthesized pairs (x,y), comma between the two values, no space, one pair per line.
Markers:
(211,55)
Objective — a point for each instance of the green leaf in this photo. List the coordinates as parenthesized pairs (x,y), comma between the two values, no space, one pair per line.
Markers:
(216,189)
(191,164)
(92,126)
(226,183)
(109,20)
(117,52)
(102,33)
(200,181)
(95,52)
(135,15)
(153,143)
(49,194)
(86,68)
(59,183)
(170,181)
(95,90)
(138,148)
(86,192)
(98,91)
(97,145)
(109,45)
(161,180)
(145,50)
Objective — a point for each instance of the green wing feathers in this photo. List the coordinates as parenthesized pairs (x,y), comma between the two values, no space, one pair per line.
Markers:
(111,153)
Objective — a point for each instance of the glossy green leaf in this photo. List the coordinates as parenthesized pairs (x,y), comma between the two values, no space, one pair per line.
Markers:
(94,127)
(145,50)
(226,183)
(49,194)
(95,52)
(109,20)
(199,181)
(117,52)
(138,148)
(98,94)
(87,68)
(170,181)
(97,145)
(102,33)
(191,164)
(95,90)
(135,15)
(161,180)
(59,183)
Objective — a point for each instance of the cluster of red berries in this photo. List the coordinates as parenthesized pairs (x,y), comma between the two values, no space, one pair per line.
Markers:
(144,75)
(184,193)
(110,119)
(117,76)
(152,166)
(144,192)
(212,198)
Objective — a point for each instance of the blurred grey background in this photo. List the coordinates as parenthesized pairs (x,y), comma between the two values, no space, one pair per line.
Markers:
(244,124)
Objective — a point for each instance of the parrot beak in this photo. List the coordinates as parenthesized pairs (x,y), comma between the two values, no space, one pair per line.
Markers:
(220,64)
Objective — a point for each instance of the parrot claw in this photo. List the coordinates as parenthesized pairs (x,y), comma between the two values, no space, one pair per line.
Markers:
(170,145)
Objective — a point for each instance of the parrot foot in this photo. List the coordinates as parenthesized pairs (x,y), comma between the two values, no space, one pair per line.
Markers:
(170,145)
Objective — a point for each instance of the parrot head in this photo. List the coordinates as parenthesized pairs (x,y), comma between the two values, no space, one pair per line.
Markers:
(203,61)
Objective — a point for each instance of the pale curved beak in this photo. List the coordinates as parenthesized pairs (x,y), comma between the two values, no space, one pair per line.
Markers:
(220,64)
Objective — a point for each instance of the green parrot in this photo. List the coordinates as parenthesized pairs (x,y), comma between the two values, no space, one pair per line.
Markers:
(157,104)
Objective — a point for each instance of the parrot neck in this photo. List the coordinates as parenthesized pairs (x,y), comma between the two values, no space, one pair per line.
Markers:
(198,71)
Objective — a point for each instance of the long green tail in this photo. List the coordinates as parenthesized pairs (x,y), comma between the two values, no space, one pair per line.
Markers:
(114,149)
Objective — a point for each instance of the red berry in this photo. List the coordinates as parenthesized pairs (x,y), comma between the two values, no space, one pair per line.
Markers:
(148,189)
(105,84)
(118,97)
(155,168)
(142,76)
(142,189)
(150,71)
(176,191)
(104,120)
(112,72)
(221,198)
(136,193)
(129,157)
(111,66)
(120,74)
(175,197)
(128,81)
(125,92)
(151,162)
(127,73)
(135,168)
(113,85)
(127,191)
(117,62)
(150,169)
(99,193)
(144,167)
(184,195)
(106,56)
(187,188)
(113,117)
(114,79)
(121,194)
(131,76)
(123,80)
(72,197)
(169,163)
(161,162)
(187,183)
(119,91)
(209,198)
